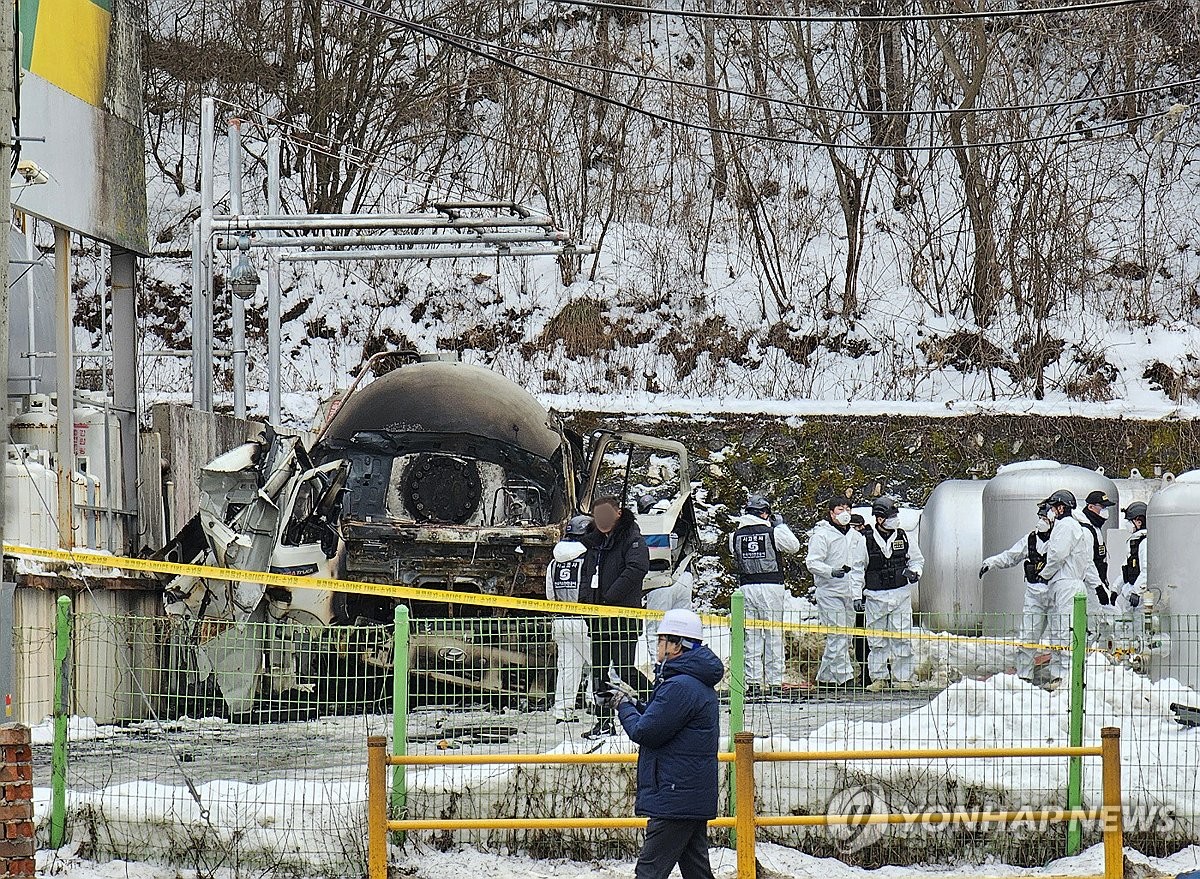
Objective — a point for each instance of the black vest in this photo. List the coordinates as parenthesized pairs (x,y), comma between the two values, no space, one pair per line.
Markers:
(1035,562)
(1099,552)
(1132,568)
(885,573)
(567,579)
(755,557)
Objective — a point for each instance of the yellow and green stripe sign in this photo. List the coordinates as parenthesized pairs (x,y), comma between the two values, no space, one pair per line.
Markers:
(65,42)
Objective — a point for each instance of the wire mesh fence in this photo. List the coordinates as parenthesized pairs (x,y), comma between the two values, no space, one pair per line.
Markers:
(217,744)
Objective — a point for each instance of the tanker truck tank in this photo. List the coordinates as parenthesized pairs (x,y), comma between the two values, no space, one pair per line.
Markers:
(951,540)
(1010,502)
(1172,559)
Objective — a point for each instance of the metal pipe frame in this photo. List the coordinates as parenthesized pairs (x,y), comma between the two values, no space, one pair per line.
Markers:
(231,243)
(238,304)
(290,222)
(463,253)
(202,259)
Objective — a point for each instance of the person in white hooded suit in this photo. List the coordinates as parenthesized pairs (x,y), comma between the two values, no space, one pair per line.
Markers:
(837,558)
(757,546)
(564,576)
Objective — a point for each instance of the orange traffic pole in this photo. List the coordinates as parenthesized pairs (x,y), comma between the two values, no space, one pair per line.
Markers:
(377,818)
(743,799)
(1114,827)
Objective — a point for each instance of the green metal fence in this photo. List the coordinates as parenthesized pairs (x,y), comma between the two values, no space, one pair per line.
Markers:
(181,770)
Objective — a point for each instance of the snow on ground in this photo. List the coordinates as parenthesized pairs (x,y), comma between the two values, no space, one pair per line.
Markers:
(427,863)
(79,729)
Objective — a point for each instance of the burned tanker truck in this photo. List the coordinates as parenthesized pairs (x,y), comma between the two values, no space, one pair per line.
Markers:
(435,474)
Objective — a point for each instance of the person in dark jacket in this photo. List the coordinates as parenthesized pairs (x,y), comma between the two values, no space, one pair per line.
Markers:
(619,562)
(678,733)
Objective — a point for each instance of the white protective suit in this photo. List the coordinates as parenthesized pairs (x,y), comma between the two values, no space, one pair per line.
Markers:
(765,601)
(1069,570)
(830,550)
(570,633)
(890,610)
(1038,605)
(1138,586)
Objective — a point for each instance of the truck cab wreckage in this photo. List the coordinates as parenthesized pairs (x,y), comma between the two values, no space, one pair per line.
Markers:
(436,474)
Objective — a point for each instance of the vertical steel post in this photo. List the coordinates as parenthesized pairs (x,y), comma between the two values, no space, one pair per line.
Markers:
(377,807)
(274,330)
(58,760)
(400,713)
(1114,820)
(1075,726)
(199,361)
(238,304)
(208,116)
(737,685)
(125,395)
(64,368)
(30,226)
(743,749)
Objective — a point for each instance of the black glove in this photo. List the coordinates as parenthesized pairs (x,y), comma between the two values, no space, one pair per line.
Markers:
(611,697)
(912,576)
(1134,599)
(983,571)
(859,605)
(838,573)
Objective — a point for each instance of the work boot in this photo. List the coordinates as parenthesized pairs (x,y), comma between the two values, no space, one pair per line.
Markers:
(905,686)
(602,730)
(775,693)
(754,693)
(877,686)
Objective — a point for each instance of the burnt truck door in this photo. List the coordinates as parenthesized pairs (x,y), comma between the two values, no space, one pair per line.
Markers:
(651,477)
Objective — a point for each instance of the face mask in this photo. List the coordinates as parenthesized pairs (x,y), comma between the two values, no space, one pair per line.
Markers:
(892,524)
(842,518)
(1051,515)
(1043,526)
(1103,514)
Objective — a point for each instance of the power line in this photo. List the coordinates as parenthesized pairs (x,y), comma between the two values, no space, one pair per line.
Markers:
(788,102)
(671,120)
(848,19)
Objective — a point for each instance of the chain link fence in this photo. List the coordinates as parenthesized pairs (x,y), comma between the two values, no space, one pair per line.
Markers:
(242,746)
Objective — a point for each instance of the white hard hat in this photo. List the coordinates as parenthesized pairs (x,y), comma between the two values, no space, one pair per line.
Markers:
(682,624)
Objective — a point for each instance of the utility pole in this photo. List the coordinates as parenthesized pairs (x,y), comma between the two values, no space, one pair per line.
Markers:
(7,16)
(7,590)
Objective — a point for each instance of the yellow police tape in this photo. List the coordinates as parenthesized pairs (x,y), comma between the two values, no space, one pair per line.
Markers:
(508,602)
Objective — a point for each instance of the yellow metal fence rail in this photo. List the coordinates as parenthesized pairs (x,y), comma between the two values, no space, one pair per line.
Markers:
(745,820)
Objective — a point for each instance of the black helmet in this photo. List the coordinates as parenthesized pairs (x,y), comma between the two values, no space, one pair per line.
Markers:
(646,503)
(885,507)
(1061,497)
(1136,510)
(1043,511)
(578,526)
(857,521)
(757,503)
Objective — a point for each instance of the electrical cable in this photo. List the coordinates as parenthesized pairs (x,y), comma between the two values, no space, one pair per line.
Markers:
(787,102)
(434,34)
(849,19)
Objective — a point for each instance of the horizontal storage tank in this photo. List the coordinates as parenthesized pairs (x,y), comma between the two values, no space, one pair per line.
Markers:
(1010,502)
(951,596)
(1172,560)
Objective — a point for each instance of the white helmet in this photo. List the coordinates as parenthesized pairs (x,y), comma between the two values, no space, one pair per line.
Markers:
(682,624)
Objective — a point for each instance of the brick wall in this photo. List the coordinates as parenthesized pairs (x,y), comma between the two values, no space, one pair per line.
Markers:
(16,802)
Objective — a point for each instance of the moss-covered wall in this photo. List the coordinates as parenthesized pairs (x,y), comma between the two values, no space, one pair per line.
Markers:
(801,462)
(798,463)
